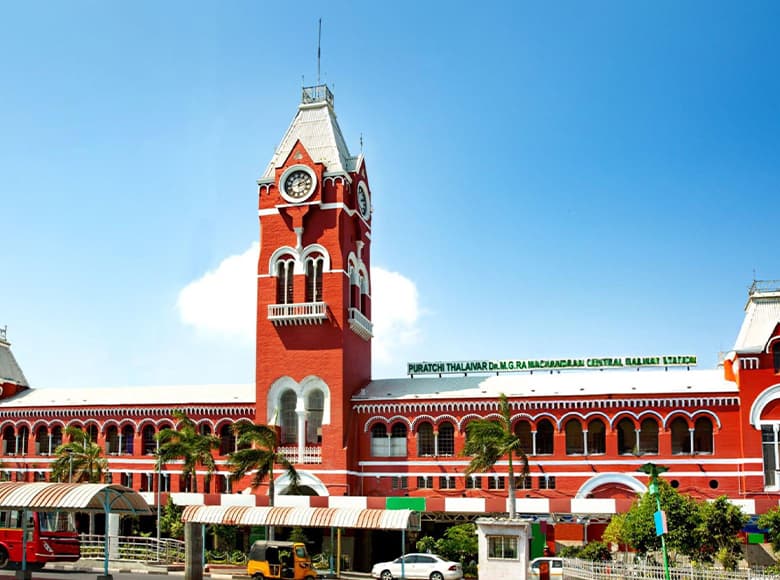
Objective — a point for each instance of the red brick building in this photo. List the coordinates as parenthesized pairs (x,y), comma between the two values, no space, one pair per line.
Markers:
(587,425)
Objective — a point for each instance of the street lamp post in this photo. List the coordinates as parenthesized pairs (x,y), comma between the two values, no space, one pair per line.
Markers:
(654,471)
(157,466)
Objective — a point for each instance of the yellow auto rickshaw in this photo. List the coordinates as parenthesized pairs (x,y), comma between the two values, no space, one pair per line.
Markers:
(272,559)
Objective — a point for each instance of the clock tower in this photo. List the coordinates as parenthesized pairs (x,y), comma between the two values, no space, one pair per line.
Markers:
(314,293)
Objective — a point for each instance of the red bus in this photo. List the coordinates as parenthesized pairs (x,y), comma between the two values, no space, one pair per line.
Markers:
(51,537)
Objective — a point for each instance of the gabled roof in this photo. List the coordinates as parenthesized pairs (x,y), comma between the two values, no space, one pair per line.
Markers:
(10,371)
(316,127)
(762,314)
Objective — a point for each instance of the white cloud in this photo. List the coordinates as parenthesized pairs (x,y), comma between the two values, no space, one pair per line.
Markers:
(395,313)
(222,304)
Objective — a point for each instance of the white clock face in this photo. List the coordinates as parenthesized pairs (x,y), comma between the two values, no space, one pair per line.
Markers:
(364,207)
(297,183)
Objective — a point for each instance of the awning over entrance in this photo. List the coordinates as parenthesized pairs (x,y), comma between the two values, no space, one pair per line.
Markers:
(98,497)
(374,519)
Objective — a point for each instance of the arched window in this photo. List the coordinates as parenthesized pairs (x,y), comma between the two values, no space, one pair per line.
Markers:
(523,433)
(380,444)
(398,440)
(315,403)
(285,270)
(24,435)
(425,440)
(42,441)
(289,418)
(112,441)
(544,438)
(92,431)
(9,441)
(227,439)
(575,444)
(446,439)
(681,437)
(204,429)
(776,355)
(626,437)
(597,441)
(648,437)
(362,291)
(56,437)
(148,442)
(702,436)
(770,442)
(314,265)
(128,434)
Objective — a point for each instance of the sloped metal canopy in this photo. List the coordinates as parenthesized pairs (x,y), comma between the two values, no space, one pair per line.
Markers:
(97,497)
(373,519)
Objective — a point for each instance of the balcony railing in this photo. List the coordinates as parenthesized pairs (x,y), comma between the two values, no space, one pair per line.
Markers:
(360,324)
(311,454)
(301,313)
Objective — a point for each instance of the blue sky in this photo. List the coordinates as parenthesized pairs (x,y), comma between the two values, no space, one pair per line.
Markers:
(549,179)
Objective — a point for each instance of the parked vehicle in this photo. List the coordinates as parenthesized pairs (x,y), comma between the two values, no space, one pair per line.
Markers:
(271,559)
(426,566)
(51,537)
(546,567)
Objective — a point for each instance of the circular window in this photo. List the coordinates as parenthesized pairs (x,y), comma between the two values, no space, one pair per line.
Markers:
(674,483)
(714,483)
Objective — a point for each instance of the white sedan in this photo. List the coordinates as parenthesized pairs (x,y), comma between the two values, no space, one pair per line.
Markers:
(425,566)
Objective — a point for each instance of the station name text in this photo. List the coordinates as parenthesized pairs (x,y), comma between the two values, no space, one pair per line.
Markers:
(507,366)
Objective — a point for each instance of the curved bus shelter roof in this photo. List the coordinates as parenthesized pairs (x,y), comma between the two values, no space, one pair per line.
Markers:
(97,497)
(305,517)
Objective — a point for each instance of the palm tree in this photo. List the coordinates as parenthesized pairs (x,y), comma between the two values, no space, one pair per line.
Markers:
(79,460)
(487,441)
(259,454)
(189,445)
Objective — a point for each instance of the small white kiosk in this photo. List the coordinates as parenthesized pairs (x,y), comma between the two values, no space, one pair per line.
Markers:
(503,548)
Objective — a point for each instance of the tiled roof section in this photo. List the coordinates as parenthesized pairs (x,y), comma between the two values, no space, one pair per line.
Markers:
(315,126)
(541,384)
(243,394)
(762,313)
(10,371)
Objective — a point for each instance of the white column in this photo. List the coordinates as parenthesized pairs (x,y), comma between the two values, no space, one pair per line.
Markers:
(690,435)
(533,442)
(585,441)
(301,433)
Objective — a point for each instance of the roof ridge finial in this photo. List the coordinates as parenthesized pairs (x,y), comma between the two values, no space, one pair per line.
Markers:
(319,40)
(4,333)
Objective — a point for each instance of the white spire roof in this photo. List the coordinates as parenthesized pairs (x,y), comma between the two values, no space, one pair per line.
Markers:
(10,371)
(762,313)
(316,127)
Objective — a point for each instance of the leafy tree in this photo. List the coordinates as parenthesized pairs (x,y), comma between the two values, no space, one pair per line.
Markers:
(770,521)
(260,454)
(170,520)
(189,445)
(615,531)
(458,544)
(720,523)
(80,460)
(487,441)
(682,516)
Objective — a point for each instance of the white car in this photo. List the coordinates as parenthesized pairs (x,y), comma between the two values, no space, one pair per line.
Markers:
(426,566)
(553,567)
